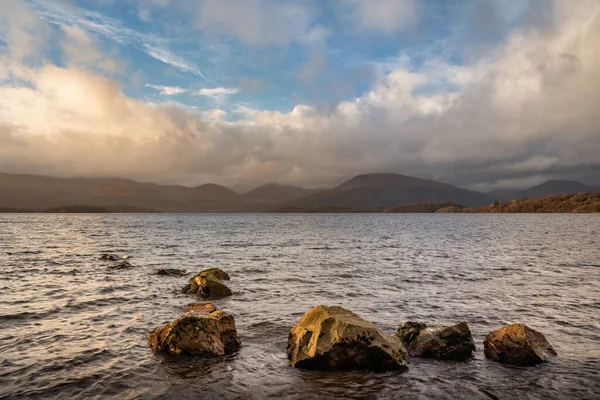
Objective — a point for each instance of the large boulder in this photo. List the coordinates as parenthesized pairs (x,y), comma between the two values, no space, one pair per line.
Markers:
(518,344)
(207,335)
(448,343)
(207,286)
(216,272)
(333,337)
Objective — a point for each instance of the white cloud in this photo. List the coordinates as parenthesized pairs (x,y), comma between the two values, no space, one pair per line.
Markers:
(167,90)
(217,92)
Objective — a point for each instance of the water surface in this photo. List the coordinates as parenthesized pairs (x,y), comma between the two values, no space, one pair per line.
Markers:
(70,328)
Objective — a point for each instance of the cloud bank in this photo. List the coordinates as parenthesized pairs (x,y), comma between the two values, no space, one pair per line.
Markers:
(526,112)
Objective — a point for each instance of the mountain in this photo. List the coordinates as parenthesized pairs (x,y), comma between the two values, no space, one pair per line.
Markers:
(371,191)
(274,193)
(545,189)
(41,192)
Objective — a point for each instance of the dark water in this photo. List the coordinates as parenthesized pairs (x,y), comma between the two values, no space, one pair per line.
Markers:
(69,328)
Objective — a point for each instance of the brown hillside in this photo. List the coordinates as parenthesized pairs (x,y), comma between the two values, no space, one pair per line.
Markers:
(564,203)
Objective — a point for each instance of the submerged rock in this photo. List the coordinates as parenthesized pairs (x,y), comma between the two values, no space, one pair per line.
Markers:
(216,272)
(109,257)
(448,343)
(201,307)
(333,337)
(171,272)
(207,286)
(518,344)
(121,265)
(208,335)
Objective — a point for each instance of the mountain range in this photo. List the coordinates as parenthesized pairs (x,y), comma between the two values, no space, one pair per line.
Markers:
(367,192)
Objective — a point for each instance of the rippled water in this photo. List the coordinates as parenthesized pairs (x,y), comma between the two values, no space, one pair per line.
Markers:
(71,328)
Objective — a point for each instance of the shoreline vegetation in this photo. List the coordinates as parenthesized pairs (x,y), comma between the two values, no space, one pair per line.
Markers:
(566,203)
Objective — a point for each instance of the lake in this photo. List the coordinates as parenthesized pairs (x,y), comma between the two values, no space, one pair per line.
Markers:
(71,328)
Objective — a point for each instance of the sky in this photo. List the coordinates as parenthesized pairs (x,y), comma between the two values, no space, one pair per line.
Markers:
(483,94)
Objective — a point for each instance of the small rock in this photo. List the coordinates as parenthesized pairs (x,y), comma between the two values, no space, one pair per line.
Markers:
(208,335)
(333,337)
(517,344)
(121,265)
(448,343)
(216,272)
(109,257)
(207,286)
(171,272)
(201,307)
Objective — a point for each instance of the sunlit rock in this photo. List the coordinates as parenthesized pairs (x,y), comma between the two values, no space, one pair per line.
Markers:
(207,335)
(517,344)
(333,337)
(448,343)
(216,272)
(207,286)
(201,307)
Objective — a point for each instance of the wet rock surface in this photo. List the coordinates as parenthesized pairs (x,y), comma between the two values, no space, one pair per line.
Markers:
(517,344)
(447,343)
(209,335)
(215,272)
(200,307)
(207,286)
(333,337)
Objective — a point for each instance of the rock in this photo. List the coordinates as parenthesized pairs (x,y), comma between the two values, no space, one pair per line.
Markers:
(517,344)
(216,272)
(171,272)
(208,335)
(207,286)
(121,265)
(409,331)
(201,307)
(448,343)
(109,257)
(333,337)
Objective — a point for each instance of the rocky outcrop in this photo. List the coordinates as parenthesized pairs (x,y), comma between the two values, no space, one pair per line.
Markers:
(207,335)
(207,286)
(215,272)
(200,307)
(171,272)
(448,343)
(333,337)
(517,344)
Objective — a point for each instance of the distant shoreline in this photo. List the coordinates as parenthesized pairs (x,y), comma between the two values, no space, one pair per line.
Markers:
(579,203)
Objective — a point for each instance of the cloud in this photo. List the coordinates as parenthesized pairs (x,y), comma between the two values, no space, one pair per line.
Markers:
(80,49)
(529,108)
(167,90)
(217,94)
(378,16)
(258,22)
(111,29)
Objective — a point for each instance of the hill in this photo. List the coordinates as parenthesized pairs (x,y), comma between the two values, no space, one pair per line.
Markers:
(41,193)
(545,189)
(274,193)
(373,191)
(563,203)
(425,207)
